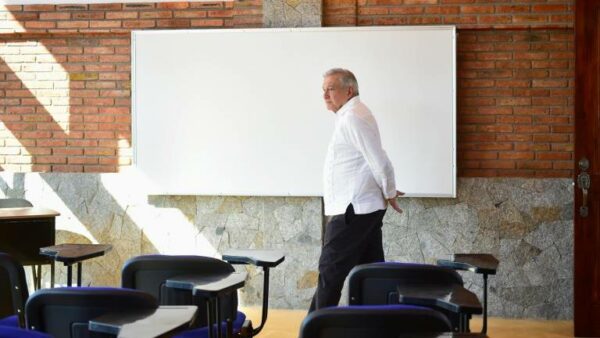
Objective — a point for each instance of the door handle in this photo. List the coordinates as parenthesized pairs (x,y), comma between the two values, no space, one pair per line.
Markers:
(584,182)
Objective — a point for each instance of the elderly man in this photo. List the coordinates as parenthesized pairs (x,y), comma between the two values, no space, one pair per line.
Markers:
(359,184)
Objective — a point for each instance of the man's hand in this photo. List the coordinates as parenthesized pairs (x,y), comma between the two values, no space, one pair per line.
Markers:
(394,203)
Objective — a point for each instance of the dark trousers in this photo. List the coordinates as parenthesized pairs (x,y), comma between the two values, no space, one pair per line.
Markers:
(350,240)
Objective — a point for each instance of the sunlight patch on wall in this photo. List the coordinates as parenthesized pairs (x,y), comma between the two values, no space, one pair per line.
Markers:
(124,153)
(40,193)
(41,76)
(8,23)
(168,230)
(14,156)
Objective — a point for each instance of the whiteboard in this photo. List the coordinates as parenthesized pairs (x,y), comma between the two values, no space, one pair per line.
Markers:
(241,112)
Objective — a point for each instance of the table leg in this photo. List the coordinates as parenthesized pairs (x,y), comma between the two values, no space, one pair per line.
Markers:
(69,274)
(209,314)
(229,328)
(52,274)
(39,274)
(218,313)
(78,273)
(484,327)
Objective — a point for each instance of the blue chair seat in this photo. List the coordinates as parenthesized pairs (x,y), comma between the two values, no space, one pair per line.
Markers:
(12,321)
(15,332)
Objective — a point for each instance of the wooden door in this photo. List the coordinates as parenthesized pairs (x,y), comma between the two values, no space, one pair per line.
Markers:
(587,169)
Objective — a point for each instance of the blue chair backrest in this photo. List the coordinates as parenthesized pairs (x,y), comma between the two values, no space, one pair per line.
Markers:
(388,321)
(14,203)
(13,288)
(376,283)
(65,312)
(149,274)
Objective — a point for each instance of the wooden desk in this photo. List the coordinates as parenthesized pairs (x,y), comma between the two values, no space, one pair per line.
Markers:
(23,231)
(74,253)
(144,324)
(211,287)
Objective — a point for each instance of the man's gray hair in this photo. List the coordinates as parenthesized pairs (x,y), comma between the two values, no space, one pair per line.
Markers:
(346,77)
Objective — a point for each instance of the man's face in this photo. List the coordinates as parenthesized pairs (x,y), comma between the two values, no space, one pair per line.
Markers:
(334,94)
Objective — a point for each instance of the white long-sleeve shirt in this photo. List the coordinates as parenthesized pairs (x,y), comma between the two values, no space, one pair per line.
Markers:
(357,169)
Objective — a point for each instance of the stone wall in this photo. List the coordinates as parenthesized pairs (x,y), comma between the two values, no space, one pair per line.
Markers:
(525,223)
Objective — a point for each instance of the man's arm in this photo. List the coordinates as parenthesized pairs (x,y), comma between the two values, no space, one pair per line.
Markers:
(365,136)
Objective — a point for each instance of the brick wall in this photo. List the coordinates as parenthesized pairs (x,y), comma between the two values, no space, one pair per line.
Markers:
(65,98)
(65,78)
(515,103)
(515,77)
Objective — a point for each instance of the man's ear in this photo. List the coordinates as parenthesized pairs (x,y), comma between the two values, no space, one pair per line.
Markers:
(350,92)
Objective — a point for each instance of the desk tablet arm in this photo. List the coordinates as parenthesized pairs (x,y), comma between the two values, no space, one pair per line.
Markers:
(484,264)
(263,258)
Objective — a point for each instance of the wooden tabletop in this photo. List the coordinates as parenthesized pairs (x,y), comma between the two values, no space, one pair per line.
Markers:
(24,213)
(208,286)
(72,253)
(264,258)
(144,323)
(453,297)
(476,262)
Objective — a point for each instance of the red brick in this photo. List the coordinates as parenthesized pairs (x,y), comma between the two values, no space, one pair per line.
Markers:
(99,168)
(512,137)
(67,168)
(497,164)
(50,159)
(479,155)
(516,155)
(553,156)
(534,165)
(82,160)
(551,138)
(470,9)
(532,146)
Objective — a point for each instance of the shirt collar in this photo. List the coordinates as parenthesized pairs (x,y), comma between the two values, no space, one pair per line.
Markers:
(351,103)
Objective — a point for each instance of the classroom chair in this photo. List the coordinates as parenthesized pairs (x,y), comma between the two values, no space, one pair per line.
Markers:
(376,284)
(387,321)
(149,273)
(13,292)
(66,312)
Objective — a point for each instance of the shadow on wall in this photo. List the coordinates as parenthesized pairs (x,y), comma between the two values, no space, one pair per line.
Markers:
(89,214)
(54,119)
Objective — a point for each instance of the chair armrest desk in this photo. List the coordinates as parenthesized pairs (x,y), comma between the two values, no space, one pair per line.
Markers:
(453,298)
(484,264)
(264,258)
(74,253)
(211,287)
(144,324)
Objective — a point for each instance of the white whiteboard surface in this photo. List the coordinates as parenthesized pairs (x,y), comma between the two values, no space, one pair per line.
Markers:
(241,112)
